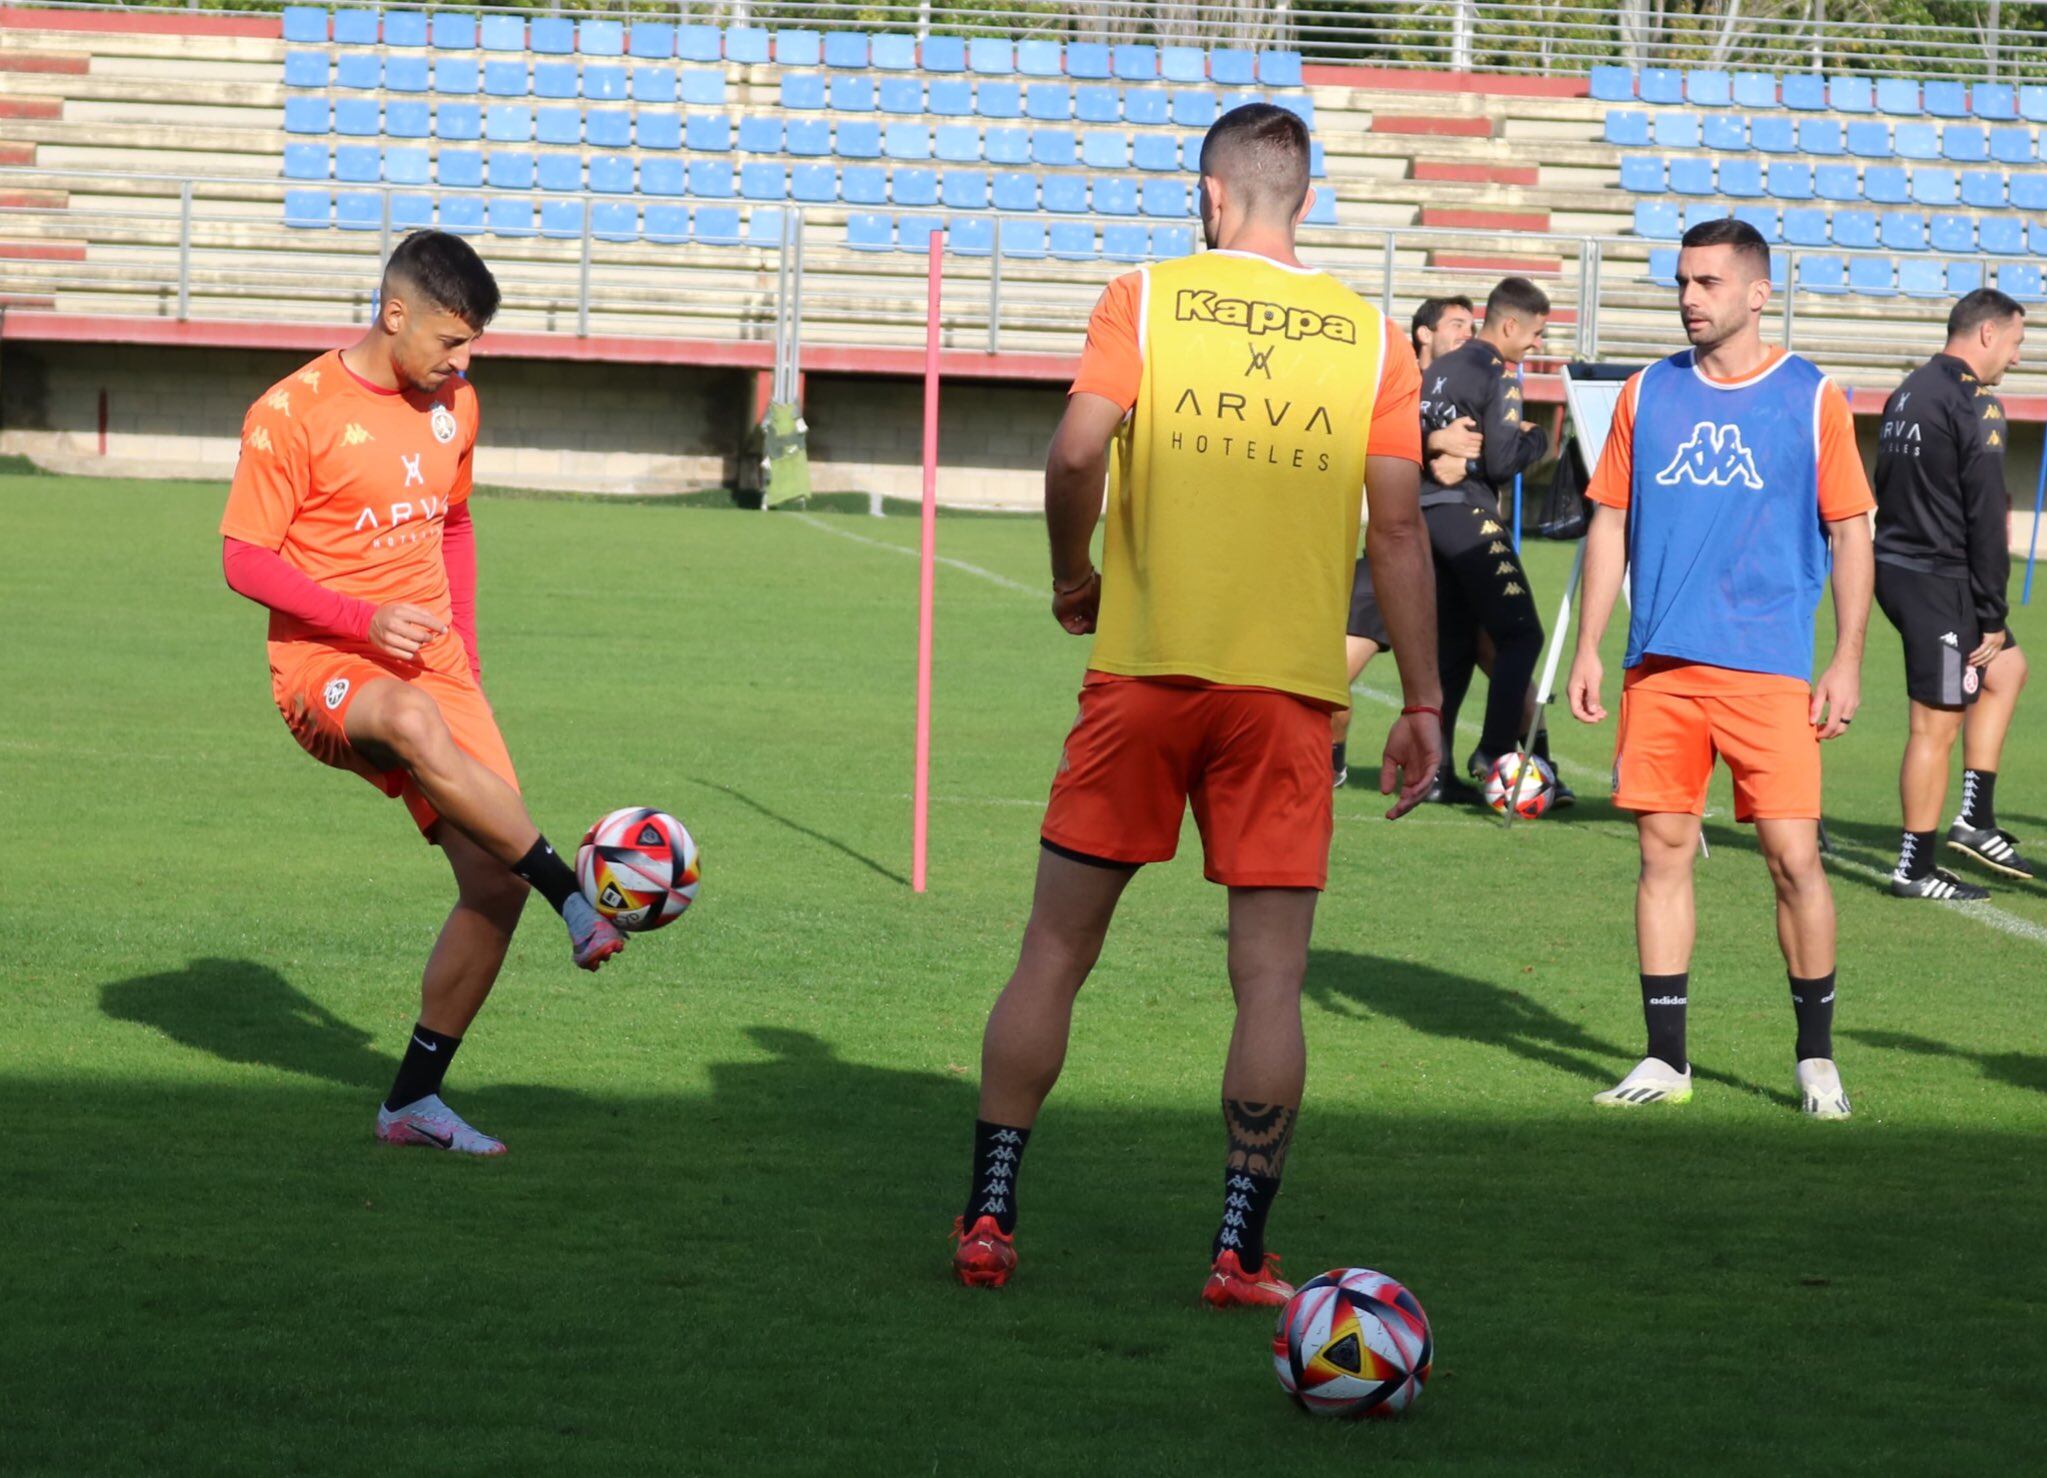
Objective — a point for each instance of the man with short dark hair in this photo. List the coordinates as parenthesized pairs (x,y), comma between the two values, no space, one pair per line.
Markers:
(1943,559)
(349,519)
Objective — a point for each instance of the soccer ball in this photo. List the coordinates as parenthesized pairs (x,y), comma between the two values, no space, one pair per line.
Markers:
(1352,1343)
(1524,782)
(638,867)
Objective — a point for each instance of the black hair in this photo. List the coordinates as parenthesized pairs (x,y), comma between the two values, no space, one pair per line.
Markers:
(1516,295)
(1984,305)
(1261,150)
(447,272)
(1430,313)
(1746,240)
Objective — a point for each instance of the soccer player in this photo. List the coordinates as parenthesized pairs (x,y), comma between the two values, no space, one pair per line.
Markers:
(1943,558)
(1480,584)
(349,519)
(1730,469)
(1252,400)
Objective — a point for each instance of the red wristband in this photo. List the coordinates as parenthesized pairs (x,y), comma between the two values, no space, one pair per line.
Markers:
(1421,708)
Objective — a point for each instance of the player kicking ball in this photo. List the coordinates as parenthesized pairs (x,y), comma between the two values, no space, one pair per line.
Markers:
(349,519)
(1256,401)
(1729,470)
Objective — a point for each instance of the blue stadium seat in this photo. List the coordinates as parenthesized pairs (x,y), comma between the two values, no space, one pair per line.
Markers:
(405,74)
(460,168)
(1963,278)
(1983,189)
(956,143)
(758,135)
(747,46)
(1951,233)
(1945,99)
(306,161)
(913,233)
(606,82)
(1613,84)
(454,30)
(1183,64)
(1064,193)
(1855,228)
(355,28)
(550,35)
(1898,96)
(405,28)
(991,56)
(1102,150)
(305,23)
(1763,218)
(1627,127)
(1994,101)
(1054,147)
(508,123)
(1279,68)
(1755,90)
(1822,274)
(764,226)
(499,32)
(1903,230)
(711,179)
(554,79)
(857,138)
(1014,190)
(1097,104)
(666,225)
(1965,143)
(1886,184)
(1697,212)
(1088,59)
(1072,241)
(1663,266)
(864,184)
(411,212)
(1193,109)
(1725,132)
(1741,179)
(612,128)
(506,79)
(914,186)
(1850,95)
(305,69)
(1048,102)
(1657,220)
(358,117)
(950,97)
(659,129)
(1916,141)
(1642,173)
(614,220)
(1691,176)
(1711,89)
(1024,240)
(1869,138)
(306,115)
(1230,67)
(900,95)
(943,54)
(893,52)
(1321,209)
(964,189)
(1134,62)
(456,76)
(601,38)
(1234,100)
(654,41)
(807,136)
(359,210)
(715,225)
(1806,225)
(810,183)
(1873,277)
(998,100)
(1169,197)
(1935,187)
(668,177)
(1006,146)
(695,43)
(1836,182)
(913,141)
(1114,197)
(2036,239)
(1820,137)
(1125,243)
(2012,145)
(970,236)
(1297,103)
(1146,105)
(847,94)
(2028,191)
(870,231)
(2021,282)
(711,133)
(1038,59)
(1773,135)
(1661,85)
(564,172)
(845,49)
(802,89)
(360,71)
(511,169)
(1676,130)
(359,164)
(1805,92)
(458,121)
(1155,152)
(1788,179)
(1190,155)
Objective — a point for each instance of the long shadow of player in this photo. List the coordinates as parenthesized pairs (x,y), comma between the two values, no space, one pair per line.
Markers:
(2019,1069)
(240,1011)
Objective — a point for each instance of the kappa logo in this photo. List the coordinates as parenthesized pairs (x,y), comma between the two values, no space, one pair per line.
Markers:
(1496,547)
(1713,456)
(1489,527)
(279,401)
(354,435)
(334,692)
(1948,639)
(442,424)
(1992,413)
(259,438)
(1993,439)
(411,466)
(310,377)
(1204,305)
(1512,587)
(1504,567)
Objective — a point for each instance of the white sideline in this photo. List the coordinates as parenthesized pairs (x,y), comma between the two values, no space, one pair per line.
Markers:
(958,564)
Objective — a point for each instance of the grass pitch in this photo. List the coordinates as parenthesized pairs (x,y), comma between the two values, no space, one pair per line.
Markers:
(718,1243)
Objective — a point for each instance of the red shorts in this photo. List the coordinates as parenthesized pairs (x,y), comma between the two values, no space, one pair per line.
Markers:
(1254,762)
(1663,757)
(315,685)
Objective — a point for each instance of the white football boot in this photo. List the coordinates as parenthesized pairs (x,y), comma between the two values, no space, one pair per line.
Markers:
(1652,1081)
(433,1125)
(1820,1092)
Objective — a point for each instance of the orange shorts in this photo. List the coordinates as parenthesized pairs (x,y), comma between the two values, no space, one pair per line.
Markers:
(1254,762)
(315,690)
(1663,757)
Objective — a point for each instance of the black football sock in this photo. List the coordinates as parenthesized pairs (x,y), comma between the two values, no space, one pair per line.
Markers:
(548,873)
(1979,799)
(1260,1134)
(420,1071)
(1339,759)
(1915,855)
(1247,1201)
(1813,1000)
(1664,998)
(998,1153)
(1540,748)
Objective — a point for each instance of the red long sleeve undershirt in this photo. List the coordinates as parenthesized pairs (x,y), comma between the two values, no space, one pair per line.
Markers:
(262,576)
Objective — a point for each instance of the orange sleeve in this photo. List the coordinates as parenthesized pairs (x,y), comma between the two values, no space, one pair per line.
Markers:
(1397,410)
(1613,479)
(472,423)
(1112,362)
(273,476)
(1844,486)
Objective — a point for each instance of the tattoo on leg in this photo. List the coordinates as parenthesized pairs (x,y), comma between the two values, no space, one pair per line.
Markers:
(1259,1135)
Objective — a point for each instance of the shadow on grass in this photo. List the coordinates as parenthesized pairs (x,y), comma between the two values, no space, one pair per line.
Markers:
(801,830)
(2018,1069)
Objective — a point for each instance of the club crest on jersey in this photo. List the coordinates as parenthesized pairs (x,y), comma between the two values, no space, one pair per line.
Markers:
(1713,456)
(334,692)
(442,423)
(1205,305)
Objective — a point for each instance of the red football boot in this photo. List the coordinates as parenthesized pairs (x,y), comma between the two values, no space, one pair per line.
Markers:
(1230,1287)
(985,1256)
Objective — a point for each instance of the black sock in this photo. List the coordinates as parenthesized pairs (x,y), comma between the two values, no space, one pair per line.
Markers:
(1979,799)
(1247,1201)
(998,1154)
(1338,759)
(1813,1000)
(1915,854)
(1664,998)
(547,872)
(421,1069)
(1540,748)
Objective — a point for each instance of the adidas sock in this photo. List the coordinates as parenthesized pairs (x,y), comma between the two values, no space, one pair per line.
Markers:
(998,1153)
(548,873)
(1915,855)
(1813,1001)
(1664,998)
(1247,1201)
(420,1071)
(1979,800)
(1339,759)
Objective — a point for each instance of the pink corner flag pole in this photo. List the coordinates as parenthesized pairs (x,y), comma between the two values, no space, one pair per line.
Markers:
(926,566)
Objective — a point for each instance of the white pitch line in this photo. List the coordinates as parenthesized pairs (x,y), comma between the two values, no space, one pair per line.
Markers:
(958,564)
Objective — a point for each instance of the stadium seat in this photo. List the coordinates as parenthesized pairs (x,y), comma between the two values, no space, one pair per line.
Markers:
(1006,146)
(913,233)
(2027,191)
(500,32)
(358,117)
(811,183)
(1660,85)
(1676,130)
(1169,198)
(1146,105)
(1233,100)
(1836,182)
(1038,59)
(606,82)
(1190,155)
(964,189)
(1134,62)
(1114,197)
(1952,234)
(564,173)
(1963,278)
(1869,138)
(970,236)
(1788,179)
(1805,226)
(1072,241)
(799,48)
(1048,102)
(359,164)
(2012,145)
(914,186)
(614,220)
(1613,84)
(2019,281)
(305,69)
(1709,89)
(1916,141)
(660,129)
(943,54)
(1822,274)
(956,143)
(1698,212)
(306,115)
(811,137)
(611,174)
(305,23)
(748,46)
(1856,228)
(460,168)
(1196,109)
(550,80)
(1231,67)
(1054,147)
(405,73)
(1024,240)
(359,210)
(411,211)
(1627,127)
(1898,96)
(453,30)
(1773,135)
(456,76)
(991,56)
(655,41)
(805,90)
(998,100)
(1279,68)
(1691,176)
(715,225)
(900,95)
(1805,92)
(764,227)
(355,28)
(511,218)
(1663,266)
(711,133)
(1126,243)
(1642,173)
(1741,179)
(612,128)
(950,97)
(870,231)
(2036,239)
(1321,210)
(1850,95)
(1763,218)
(1064,194)
(1168,242)
(1886,184)
(508,123)
(893,52)
(758,135)
(1946,99)
(1089,59)
(600,38)
(666,225)
(506,79)
(913,141)
(1155,153)
(306,161)
(1983,189)
(864,184)
(461,214)
(461,121)
(1014,190)
(1183,64)
(1902,230)
(1755,90)
(551,35)
(846,94)
(1297,103)
(2001,236)
(857,138)
(1934,187)
(1965,143)
(711,179)
(1102,150)
(847,49)
(667,177)
(1820,137)
(1657,220)
(1873,277)
(1097,104)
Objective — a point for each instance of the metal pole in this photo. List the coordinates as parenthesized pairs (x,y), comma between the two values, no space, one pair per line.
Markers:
(995,293)
(1591,307)
(1584,296)
(796,319)
(2033,546)
(184,250)
(781,311)
(583,280)
(1790,296)
(1386,287)
(384,229)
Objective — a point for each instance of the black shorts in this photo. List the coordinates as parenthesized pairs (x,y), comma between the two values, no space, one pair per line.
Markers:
(1479,578)
(1365,620)
(1937,619)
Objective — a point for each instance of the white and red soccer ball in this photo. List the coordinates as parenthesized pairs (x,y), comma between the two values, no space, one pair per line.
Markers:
(1353,1343)
(1523,783)
(638,867)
